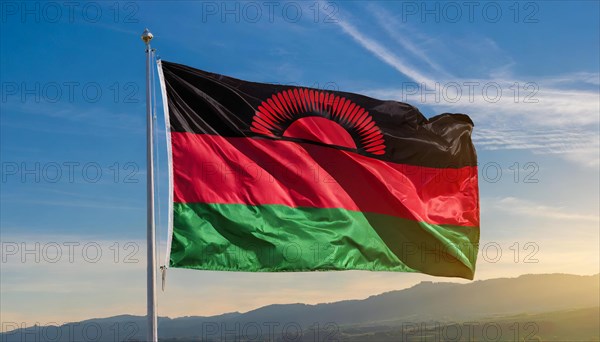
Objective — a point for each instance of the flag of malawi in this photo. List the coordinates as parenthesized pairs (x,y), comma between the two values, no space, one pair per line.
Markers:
(282,178)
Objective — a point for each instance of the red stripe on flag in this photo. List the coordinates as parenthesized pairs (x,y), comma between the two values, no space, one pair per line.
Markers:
(255,171)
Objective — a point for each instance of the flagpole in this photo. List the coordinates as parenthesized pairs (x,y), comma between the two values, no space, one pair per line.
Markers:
(150,237)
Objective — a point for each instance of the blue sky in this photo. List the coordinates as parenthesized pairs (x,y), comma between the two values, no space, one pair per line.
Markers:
(73,83)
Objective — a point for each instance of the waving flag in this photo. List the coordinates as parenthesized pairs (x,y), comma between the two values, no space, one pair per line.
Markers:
(282,178)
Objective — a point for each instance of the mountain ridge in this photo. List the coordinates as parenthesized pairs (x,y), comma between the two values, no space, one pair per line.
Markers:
(423,302)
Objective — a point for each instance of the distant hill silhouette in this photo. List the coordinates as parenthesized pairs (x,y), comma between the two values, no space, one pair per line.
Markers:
(565,306)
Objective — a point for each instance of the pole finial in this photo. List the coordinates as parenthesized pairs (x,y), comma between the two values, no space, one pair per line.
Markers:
(147,36)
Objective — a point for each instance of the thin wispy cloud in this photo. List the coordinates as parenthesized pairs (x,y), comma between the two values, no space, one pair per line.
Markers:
(400,35)
(381,52)
(577,78)
(534,103)
(521,207)
(579,146)
(520,113)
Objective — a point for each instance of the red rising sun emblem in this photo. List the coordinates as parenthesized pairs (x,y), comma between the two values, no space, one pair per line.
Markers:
(318,116)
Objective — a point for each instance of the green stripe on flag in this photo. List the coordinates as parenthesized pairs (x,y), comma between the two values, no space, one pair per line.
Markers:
(275,238)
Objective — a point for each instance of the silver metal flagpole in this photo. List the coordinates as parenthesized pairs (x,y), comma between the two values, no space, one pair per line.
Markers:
(150,238)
